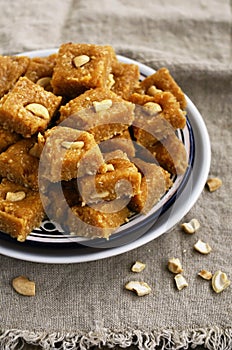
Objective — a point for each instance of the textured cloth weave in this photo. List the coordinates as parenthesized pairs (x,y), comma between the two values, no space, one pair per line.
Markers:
(83,305)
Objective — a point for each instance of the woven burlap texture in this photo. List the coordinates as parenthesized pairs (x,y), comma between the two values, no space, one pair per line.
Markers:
(85,304)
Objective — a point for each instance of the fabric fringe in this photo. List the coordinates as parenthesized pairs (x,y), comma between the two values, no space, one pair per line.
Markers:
(212,339)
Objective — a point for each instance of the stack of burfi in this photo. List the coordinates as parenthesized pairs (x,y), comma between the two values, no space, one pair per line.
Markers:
(84,141)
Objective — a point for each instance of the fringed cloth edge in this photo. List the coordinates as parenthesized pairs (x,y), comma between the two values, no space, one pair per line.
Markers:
(213,338)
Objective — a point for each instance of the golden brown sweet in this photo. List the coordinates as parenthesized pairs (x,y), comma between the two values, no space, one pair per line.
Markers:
(163,80)
(40,70)
(69,153)
(96,222)
(171,154)
(11,69)
(96,158)
(98,111)
(7,138)
(155,182)
(121,142)
(81,67)
(19,166)
(119,179)
(124,78)
(27,108)
(21,210)
(170,107)
(148,128)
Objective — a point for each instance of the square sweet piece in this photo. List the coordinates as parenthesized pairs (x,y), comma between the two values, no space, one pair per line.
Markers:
(96,222)
(163,80)
(40,70)
(11,69)
(69,153)
(118,179)
(58,198)
(98,111)
(171,154)
(21,210)
(7,138)
(19,166)
(121,142)
(80,67)
(125,78)
(148,128)
(155,181)
(27,108)
(163,104)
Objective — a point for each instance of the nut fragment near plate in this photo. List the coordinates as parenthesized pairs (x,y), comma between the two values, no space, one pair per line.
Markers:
(60,248)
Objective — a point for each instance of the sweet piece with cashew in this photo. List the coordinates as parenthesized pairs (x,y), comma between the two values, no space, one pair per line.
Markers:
(28,108)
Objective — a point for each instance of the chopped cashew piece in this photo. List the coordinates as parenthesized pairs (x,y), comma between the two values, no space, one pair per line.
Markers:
(44,82)
(191,227)
(220,281)
(15,196)
(102,105)
(98,195)
(152,91)
(23,286)
(174,265)
(206,275)
(140,288)
(38,110)
(81,60)
(110,81)
(138,266)
(202,247)
(152,108)
(180,281)
(73,145)
(109,167)
(214,183)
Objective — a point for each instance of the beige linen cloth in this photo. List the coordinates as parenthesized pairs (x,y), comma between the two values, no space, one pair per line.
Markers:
(84,305)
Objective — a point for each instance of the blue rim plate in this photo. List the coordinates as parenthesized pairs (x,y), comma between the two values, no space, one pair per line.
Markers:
(49,243)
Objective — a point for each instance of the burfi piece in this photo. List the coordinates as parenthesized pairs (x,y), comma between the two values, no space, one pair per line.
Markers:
(58,198)
(148,129)
(69,153)
(171,154)
(7,138)
(40,70)
(170,107)
(90,222)
(154,183)
(19,166)
(124,78)
(80,67)
(163,80)
(100,112)
(27,108)
(21,210)
(121,142)
(11,69)
(121,179)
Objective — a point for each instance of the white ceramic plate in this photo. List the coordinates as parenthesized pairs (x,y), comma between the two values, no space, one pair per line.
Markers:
(40,246)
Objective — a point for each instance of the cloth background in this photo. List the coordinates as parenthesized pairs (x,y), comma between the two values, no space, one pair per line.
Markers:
(83,305)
